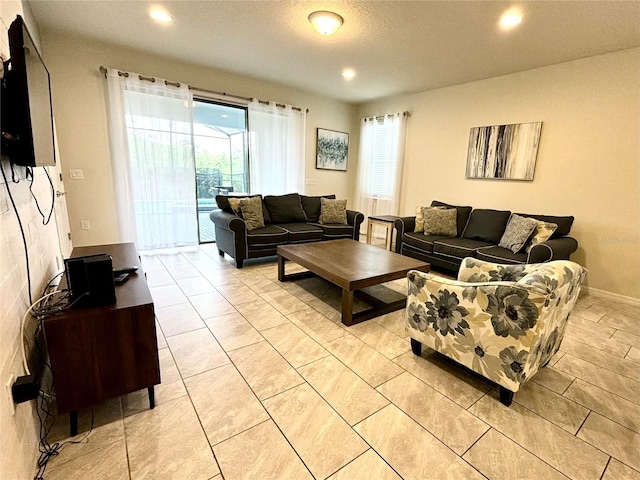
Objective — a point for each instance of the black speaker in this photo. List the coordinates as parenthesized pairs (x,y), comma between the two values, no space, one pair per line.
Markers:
(90,280)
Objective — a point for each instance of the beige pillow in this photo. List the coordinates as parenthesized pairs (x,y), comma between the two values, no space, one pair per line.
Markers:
(333,211)
(234,203)
(543,232)
(419,220)
(440,221)
(251,209)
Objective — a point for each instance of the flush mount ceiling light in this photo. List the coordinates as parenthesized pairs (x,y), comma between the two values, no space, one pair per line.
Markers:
(511,18)
(348,74)
(326,23)
(160,15)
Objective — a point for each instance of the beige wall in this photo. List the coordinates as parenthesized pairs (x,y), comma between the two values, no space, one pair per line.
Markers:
(19,430)
(587,165)
(79,104)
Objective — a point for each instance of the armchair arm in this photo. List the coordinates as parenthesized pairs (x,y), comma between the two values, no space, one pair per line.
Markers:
(355,219)
(555,249)
(402,225)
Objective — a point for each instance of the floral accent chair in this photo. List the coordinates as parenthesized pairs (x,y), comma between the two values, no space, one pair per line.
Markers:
(504,322)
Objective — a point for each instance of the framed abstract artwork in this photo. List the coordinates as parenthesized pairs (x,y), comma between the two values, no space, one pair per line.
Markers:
(504,152)
(332,150)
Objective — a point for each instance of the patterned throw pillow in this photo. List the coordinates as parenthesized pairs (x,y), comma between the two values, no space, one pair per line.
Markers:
(440,221)
(519,230)
(419,220)
(333,211)
(544,231)
(251,209)
(234,203)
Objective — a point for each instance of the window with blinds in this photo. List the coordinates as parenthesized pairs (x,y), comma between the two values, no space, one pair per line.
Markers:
(382,144)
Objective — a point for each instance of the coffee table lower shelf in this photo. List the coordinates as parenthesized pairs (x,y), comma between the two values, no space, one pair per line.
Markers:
(382,300)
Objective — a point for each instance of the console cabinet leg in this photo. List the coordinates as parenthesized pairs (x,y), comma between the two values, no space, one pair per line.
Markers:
(221,253)
(73,423)
(506,396)
(152,396)
(416,347)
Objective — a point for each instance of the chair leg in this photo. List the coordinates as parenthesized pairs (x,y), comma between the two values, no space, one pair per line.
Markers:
(506,396)
(416,347)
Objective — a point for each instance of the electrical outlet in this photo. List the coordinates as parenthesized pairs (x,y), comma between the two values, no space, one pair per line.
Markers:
(85,225)
(76,174)
(8,386)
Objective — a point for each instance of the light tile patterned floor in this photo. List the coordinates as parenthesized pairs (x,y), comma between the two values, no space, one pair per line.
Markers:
(260,380)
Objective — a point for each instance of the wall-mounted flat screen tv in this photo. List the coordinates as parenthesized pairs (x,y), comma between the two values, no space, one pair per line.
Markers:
(27,112)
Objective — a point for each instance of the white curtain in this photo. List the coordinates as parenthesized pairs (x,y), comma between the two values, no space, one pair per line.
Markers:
(382,145)
(277,148)
(152,157)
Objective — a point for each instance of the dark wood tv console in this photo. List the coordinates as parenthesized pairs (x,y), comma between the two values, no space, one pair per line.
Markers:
(103,352)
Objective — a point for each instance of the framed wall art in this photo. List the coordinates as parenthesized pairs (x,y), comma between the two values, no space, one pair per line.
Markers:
(332,150)
(505,152)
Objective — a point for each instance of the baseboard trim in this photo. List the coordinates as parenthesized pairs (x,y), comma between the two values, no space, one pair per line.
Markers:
(596,292)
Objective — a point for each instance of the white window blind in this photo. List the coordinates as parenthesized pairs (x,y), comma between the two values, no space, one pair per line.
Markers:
(380,164)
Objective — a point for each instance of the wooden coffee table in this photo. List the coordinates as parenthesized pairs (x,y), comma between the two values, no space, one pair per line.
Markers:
(355,267)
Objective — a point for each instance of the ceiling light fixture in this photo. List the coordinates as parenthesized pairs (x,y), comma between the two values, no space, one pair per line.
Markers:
(326,23)
(160,15)
(348,74)
(511,18)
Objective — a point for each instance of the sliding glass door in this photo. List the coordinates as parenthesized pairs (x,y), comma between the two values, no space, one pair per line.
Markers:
(222,166)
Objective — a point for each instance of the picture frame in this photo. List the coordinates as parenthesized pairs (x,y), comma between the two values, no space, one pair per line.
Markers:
(503,152)
(332,150)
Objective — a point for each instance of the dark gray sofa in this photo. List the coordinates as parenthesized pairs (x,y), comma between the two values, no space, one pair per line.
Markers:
(290,218)
(478,234)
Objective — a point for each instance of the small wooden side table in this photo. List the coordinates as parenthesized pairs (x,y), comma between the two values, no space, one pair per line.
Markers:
(385,221)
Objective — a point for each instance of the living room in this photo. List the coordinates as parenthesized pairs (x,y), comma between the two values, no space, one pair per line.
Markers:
(587,166)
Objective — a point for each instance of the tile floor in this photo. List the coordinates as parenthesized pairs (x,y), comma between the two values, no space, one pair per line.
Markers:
(261,380)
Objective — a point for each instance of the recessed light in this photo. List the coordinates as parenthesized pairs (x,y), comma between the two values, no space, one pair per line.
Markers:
(348,74)
(160,15)
(511,18)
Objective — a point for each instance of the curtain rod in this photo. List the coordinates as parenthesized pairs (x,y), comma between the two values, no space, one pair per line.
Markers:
(103,70)
(390,115)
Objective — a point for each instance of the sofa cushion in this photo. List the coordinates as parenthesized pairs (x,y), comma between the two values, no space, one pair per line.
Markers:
(421,241)
(269,235)
(302,232)
(223,204)
(497,254)
(458,247)
(543,232)
(333,211)
(564,223)
(440,221)
(332,230)
(462,214)
(486,225)
(285,208)
(251,209)
(518,232)
(311,206)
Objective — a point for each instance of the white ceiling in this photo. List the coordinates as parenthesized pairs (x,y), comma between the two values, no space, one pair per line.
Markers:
(394,46)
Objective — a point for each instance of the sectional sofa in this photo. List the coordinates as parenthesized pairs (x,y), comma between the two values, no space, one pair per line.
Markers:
(478,233)
(291,218)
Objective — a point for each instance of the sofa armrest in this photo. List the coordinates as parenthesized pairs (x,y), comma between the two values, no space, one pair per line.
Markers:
(355,219)
(555,249)
(231,235)
(402,225)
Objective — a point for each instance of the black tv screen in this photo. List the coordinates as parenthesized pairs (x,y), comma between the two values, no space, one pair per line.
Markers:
(27,113)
